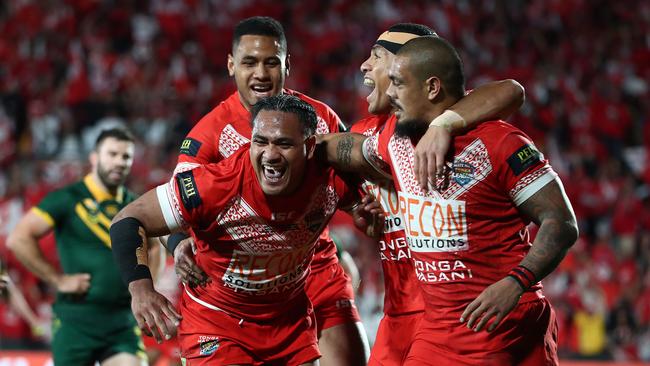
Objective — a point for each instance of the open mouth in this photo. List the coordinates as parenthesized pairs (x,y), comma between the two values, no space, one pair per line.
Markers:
(370,83)
(262,90)
(273,174)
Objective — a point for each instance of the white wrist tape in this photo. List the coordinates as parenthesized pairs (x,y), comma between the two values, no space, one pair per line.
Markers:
(449,120)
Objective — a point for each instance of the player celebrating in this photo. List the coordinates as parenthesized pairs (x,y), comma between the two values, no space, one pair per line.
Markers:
(255,218)
(468,231)
(259,64)
(403,304)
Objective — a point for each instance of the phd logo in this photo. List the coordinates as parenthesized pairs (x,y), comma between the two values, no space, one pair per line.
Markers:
(463,172)
(208,345)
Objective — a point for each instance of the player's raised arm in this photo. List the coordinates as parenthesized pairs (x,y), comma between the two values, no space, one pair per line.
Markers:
(494,100)
(551,210)
(129,231)
(344,151)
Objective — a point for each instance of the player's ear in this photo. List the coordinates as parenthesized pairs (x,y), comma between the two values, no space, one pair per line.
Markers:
(288,64)
(433,86)
(231,65)
(310,146)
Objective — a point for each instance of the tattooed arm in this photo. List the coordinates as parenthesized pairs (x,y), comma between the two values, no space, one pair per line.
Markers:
(551,210)
(344,151)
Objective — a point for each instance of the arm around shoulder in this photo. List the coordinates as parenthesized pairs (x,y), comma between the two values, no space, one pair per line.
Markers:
(344,152)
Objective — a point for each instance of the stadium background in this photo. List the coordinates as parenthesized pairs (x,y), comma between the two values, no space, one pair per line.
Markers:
(71,67)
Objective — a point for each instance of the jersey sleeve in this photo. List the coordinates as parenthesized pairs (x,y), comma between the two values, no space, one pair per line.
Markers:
(375,151)
(333,121)
(198,147)
(54,207)
(193,198)
(522,170)
(328,120)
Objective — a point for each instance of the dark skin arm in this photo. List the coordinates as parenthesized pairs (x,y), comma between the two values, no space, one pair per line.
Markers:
(495,100)
(344,152)
(156,316)
(551,210)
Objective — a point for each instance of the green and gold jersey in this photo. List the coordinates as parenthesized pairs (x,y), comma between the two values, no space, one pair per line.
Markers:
(81,215)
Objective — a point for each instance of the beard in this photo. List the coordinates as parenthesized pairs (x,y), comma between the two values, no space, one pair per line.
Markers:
(412,128)
(106,180)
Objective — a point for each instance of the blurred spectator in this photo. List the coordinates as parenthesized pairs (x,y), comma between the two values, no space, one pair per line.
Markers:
(69,68)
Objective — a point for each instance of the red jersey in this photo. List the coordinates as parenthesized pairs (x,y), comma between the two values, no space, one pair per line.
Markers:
(227,128)
(468,234)
(402,294)
(256,248)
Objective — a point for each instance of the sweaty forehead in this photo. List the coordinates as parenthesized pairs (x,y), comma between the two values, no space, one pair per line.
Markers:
(257,44)
(399,66)
(276,124)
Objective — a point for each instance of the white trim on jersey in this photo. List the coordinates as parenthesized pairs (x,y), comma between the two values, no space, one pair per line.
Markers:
(184,166)
(165,201)
(533,187)
(201,302)
(367,150)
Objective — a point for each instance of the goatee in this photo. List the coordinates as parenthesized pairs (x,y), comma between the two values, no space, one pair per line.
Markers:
(412,128)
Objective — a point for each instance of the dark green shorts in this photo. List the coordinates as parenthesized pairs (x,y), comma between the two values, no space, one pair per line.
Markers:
(74,345)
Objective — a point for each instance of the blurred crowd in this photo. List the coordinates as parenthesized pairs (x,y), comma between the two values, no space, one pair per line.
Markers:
(69,68)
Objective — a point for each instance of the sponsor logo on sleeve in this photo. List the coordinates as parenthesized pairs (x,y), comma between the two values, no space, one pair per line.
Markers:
(187,188)
(190,147)
(525,157)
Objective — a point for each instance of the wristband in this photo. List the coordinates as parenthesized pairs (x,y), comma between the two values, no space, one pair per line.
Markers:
(449,120)
(524,277)
(174,239)
(129,244)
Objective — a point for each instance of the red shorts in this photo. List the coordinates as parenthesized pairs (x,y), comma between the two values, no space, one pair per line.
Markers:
(330,291)
(394,337)
(168,348)
(527,337)
(212,337)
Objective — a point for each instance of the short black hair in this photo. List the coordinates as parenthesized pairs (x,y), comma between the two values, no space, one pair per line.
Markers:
(413,28)
(118,133)
(259,26)
(393,39)
(290,104)
(434,56)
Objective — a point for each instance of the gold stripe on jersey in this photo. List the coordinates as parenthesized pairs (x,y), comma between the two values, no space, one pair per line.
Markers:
(44,215)
(101,231)
(396,37)
(99,193)
(95,214)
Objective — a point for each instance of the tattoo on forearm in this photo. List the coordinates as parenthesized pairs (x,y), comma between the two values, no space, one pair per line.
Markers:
(344,150)
(557,231)
(549,249)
